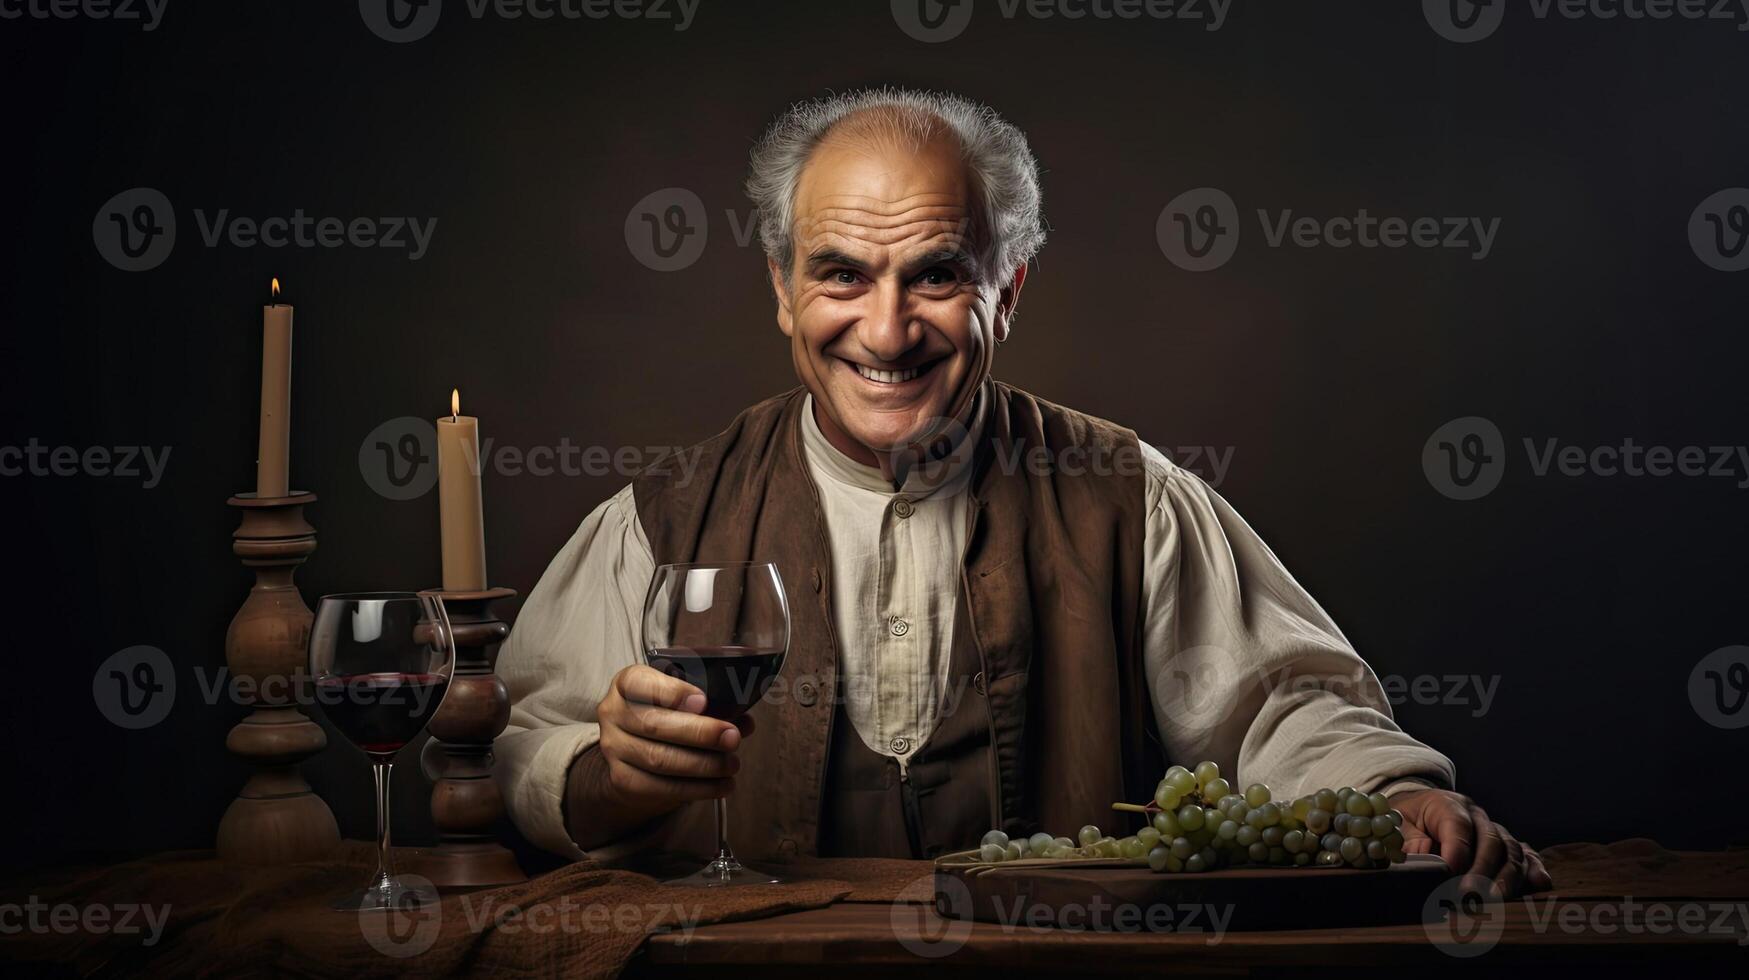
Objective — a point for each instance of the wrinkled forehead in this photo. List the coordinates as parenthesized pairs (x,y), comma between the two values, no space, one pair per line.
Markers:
(881,193)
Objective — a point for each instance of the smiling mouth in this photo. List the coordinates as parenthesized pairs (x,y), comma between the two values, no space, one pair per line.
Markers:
(893,377)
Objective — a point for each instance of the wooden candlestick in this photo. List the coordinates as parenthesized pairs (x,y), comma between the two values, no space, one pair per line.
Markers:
(276,818)
(466,802)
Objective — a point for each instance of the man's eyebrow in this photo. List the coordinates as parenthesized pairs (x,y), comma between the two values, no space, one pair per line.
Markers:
(948,255)
(832,256)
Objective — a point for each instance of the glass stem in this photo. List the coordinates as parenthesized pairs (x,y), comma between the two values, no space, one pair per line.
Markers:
(723,854)
(384,871)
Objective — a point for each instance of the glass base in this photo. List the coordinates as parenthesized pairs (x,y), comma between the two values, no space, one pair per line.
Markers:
(725,871)
(385,894)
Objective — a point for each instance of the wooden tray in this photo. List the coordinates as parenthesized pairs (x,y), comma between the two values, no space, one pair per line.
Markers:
(1089,894)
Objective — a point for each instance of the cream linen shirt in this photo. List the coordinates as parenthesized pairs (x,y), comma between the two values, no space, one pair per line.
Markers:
(1246,668)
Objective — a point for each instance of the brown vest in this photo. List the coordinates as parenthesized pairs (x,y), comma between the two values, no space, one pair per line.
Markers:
(1051,720)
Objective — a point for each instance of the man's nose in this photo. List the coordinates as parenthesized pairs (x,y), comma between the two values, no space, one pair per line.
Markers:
(890,329)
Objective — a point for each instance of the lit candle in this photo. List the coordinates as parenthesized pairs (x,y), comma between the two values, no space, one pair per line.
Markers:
(458,492)
(273,451)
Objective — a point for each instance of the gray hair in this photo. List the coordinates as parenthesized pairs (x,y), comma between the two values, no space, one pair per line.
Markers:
(1007,222)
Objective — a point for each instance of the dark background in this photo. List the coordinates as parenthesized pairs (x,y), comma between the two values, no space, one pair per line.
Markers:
(1323,371)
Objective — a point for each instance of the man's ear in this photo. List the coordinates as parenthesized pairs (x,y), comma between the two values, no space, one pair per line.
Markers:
(1006,301)
(785,316)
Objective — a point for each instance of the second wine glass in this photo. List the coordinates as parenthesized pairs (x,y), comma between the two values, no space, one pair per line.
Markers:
(381,663)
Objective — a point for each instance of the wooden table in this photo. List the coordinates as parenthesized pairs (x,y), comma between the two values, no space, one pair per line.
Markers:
(1688,910)
(836,918)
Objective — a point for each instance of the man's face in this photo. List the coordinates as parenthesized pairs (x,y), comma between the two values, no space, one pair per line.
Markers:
(888,325)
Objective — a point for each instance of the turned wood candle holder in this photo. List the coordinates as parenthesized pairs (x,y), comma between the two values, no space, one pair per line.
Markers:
(466,802)
(276,818)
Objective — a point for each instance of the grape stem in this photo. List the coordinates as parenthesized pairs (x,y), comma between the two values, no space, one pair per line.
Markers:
(1136,807)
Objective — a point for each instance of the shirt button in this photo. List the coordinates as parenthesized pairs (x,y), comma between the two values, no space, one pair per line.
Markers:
(978,682)
(816,580)
(900,627)
(807,694)
(902,507)
(900,745)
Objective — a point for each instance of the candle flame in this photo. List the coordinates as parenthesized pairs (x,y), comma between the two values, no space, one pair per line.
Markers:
(455,402)
(275,287)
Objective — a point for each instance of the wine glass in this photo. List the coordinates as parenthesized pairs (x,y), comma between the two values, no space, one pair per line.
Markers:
(381,662)
(722,627)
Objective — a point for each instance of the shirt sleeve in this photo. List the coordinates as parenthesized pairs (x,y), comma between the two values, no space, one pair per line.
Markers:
(577,629)
(1247,669)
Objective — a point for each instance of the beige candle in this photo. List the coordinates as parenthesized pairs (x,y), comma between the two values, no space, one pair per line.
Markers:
(458,492)
(273,451)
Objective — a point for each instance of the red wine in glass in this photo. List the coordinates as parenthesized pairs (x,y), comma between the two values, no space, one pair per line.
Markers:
(381,713)
(381,662)
(722,627)
(733,678)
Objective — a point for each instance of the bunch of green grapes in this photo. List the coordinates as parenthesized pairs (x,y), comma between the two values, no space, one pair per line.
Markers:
(1197,823)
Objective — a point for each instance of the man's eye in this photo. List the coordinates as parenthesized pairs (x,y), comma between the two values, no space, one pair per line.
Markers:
(937,277)
(843,277)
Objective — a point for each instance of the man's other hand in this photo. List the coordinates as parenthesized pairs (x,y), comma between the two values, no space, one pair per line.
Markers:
(1437,821)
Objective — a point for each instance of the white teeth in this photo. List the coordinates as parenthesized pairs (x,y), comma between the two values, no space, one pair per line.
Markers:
(888,377)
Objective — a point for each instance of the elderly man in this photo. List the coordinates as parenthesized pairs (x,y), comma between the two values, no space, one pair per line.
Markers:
(1006,613)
